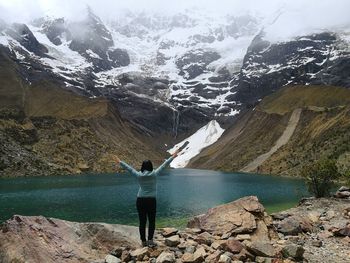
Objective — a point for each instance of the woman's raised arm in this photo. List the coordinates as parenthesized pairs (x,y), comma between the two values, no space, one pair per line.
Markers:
(166,163)
(125,166)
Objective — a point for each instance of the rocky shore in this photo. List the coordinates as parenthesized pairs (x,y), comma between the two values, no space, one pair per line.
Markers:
(317,230)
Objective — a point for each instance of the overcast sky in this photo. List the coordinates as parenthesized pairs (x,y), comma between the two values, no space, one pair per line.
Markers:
(308,13)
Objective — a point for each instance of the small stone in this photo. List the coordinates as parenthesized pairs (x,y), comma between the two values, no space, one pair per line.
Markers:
(169,231)
(224,259)
(118,252)
(226,235)
(233,246)
(330,214)
(197,257)
(293,251)
(314,216)
(178,254)
(172,241)
(242,237)
(155,253)
(204,238)
(263,260)
(344,188)
(279,216)
(125,256)
(166,257)
(229,254)
(112,259)
(200,252)
(214,257)
(289,226)
(345,231)
(190,249)
(244,255)
(316,243)
(343,194)
(218,244)
(187,243)
(263,249)
(139,253)
(193,230)
(346,240)
(325,234)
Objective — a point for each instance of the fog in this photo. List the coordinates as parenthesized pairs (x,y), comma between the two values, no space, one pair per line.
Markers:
(297,15)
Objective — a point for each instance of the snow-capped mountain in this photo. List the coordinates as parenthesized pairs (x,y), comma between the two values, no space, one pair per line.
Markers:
(174,73)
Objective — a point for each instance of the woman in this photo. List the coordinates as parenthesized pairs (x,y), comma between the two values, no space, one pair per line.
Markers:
(146,197)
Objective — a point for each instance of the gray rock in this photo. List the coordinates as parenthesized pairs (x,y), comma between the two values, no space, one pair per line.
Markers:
(172,241)
(289,226)
(344,188)
(166,257)
(224,259)
(293,251)
(263,249)
(190,249)
(112,259)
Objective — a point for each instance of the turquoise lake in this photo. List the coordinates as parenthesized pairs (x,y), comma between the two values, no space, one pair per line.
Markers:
(111,198)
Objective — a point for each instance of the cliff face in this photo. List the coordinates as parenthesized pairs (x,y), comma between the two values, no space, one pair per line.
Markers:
(321,131)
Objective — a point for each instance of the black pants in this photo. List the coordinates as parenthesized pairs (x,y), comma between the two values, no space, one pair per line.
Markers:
(146,207)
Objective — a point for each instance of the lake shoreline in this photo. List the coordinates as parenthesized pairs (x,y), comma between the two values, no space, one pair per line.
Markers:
(319,224)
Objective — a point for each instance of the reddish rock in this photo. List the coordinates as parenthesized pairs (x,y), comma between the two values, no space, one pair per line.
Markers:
(343,232)
(169,231)
(233,246)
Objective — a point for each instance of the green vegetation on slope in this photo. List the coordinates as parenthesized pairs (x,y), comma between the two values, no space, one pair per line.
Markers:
(313,97)
(323,131)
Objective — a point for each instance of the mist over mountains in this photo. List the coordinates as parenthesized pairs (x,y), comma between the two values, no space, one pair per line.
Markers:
(170,71)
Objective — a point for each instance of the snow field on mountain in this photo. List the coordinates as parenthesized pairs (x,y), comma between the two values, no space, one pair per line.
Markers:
(205,136)
(64,60)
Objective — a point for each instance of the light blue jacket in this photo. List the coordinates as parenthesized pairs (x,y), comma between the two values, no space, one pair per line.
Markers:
(147,180)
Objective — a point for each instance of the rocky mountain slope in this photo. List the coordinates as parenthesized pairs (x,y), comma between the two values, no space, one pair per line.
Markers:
(170,75)
(322,131)
(193,66)
(48,130)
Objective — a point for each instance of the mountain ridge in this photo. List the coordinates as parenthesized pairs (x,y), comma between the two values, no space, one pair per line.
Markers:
(321,132)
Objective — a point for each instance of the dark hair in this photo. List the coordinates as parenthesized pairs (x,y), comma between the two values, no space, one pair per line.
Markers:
(147,165)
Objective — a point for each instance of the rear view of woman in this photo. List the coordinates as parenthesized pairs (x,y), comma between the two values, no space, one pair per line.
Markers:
(146,202)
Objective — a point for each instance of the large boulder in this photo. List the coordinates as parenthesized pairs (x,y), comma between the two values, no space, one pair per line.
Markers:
(245,215)
(52,240)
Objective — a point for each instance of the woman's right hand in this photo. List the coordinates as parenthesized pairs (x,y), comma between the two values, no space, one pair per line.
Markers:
(116,158)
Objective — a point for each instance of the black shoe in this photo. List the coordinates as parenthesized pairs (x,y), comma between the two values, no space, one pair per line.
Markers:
(144,243)
(151,243)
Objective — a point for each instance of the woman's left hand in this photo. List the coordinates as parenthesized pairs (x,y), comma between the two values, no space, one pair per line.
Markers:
(175,153)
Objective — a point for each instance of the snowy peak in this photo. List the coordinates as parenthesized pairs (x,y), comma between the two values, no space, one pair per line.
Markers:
(312,59)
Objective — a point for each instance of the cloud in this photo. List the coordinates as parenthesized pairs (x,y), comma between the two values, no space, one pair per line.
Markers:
(298,14)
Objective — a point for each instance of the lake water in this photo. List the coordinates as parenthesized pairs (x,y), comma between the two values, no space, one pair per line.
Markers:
(111,197)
